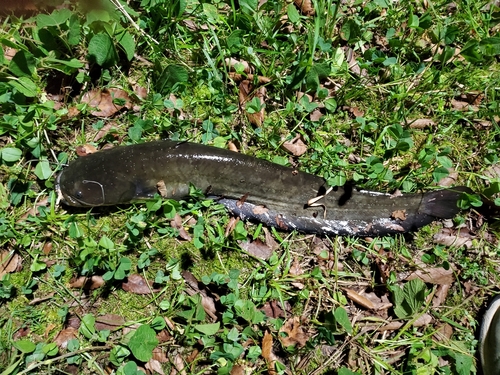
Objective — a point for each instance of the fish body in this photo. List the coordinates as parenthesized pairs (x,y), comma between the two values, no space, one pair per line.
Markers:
(249,187)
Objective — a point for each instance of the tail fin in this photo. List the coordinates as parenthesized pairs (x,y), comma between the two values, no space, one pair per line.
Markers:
(443,203)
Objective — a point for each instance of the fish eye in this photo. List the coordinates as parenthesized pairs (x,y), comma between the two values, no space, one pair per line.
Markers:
(78,195)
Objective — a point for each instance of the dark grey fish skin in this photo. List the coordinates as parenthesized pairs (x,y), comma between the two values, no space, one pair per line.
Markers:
(251,188)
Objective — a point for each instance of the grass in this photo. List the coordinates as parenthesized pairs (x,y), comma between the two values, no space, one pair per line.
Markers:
(389,95)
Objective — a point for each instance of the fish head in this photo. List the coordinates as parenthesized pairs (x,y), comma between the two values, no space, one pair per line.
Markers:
(80,192)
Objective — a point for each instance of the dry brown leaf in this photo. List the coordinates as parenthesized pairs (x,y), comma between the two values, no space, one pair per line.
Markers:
(443,332)
(141,92)
(423,320)
(162,189)
(191,357)
(399,214)
(162,336)
(315,115)
(259,210)
(272,309)
(459,105)
(88,283)
(33,211)
(392,326)
(111,322)
(355,111)
(270,241)
(267,353)
(102,100)
(295,334)
(177,224)
(64,336)
(232,63)
(238,370)
(9,262)
(246,93)
(457,238)
(193,287)
(306,7)
(179,364)
(154,366)
(433,275)
(449,180)
(296,146)
(257,248)
(232,147)
(493,171)
(85,150)
(421,123)
(440,295)
(136,284)
(359,299)
(105,130)
(251,77)
(296,269)
(47,247)
(231,225)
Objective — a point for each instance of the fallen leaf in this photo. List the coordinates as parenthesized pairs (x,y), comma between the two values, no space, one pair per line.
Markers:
(256,248)
(423,320)
(246,93)
(177,224)
(420,123)
(440,295)
(399,214)
(237,370)
(64,336)
(85,150)
(191,357)
(392,326)
(449,180)
(296,146)
(459,105)
(296,269)
(105,130)
(163,336)
(136,284)
(306,7)
(315,115)
(443,332)
(154,366)
(88,283)
(270,241)
(9,262)
(433,275)
(295,334)
(162,189)
(359,299)
(179,364)
(193,287)
(232,147)
(236,77)
(267,353)
(355,111)
(259,210)
(493,171)
(104,101)
(232,63)
(110,322)
(47,247)
(273,309)
(141,92)
(231,225)
(451,237)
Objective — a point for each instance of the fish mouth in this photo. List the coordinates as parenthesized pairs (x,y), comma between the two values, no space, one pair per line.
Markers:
(61,197)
